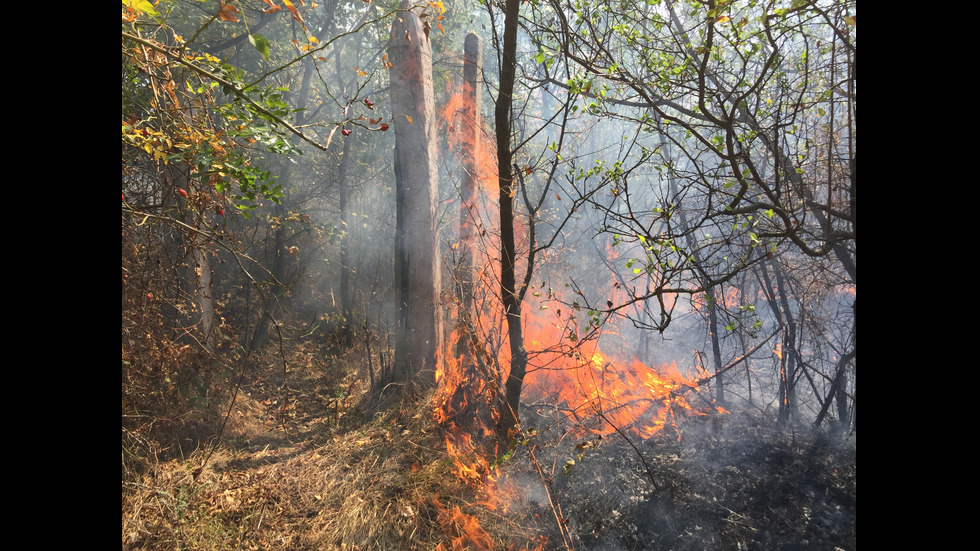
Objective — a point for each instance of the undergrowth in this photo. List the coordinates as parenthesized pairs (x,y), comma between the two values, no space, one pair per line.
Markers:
(309,458)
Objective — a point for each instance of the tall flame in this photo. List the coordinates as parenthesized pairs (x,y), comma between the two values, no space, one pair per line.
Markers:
(590,391)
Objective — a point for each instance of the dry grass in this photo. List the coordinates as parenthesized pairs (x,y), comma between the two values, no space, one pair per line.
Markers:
(313,461)
(333,469)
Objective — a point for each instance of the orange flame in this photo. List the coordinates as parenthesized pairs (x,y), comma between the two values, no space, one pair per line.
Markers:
(462,123)
(584,386)
(463,528)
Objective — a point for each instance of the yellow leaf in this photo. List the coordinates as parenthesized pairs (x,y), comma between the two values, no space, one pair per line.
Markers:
(409,119)
(292,9)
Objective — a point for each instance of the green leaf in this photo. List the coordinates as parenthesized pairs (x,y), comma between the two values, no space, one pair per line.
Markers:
(261,44)
(141,6)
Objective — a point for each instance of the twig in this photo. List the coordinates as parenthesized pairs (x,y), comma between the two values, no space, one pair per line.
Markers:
(632,445)
(261,516)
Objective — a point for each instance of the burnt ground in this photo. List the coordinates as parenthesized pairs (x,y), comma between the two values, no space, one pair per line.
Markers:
(336,466)
(731,483)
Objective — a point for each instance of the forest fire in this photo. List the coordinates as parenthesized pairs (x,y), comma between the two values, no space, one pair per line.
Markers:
(355,315)
(569,379)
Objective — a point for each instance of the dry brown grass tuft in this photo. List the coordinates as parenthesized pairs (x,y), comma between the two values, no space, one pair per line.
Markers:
(309,461)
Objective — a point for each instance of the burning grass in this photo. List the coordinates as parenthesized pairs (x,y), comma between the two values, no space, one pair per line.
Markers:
(334,468)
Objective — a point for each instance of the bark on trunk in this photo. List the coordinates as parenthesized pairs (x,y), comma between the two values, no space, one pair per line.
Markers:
(715,344)
(510,415)
(417,269)
(346,306)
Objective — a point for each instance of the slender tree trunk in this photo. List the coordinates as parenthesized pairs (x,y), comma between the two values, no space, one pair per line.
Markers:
(715,344)
(272,310)
(194,275)
(837,392)
(779,305)
(418,264)
(510,416)
(344,185)
(203,279)
(789,350)
(711,298)
(275,288)
(344,190)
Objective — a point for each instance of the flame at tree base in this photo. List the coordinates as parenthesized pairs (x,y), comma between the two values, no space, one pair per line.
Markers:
(579,390)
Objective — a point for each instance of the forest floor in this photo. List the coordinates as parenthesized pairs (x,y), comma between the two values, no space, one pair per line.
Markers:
(312,460)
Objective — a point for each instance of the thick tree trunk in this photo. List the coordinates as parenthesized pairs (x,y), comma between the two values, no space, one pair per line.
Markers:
(417,259)
(470,140)
(473,405)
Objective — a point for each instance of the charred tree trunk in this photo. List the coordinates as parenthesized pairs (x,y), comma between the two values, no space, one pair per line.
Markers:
(473,404)
(789,351)
(417,261)
(509,415)
(778,303)
(470,138)
(837,393)
(715,344)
